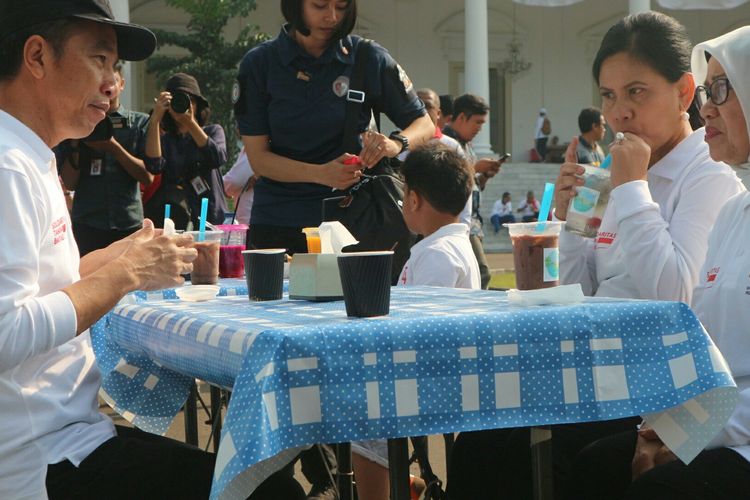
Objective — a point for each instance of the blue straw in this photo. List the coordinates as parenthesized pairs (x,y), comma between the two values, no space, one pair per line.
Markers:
(204,213)
(167,210)
(549,190)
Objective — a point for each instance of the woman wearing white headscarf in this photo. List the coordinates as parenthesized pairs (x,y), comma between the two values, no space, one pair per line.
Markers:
(639,465)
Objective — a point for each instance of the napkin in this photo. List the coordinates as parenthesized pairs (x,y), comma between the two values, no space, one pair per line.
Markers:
(334,236)
(564,294)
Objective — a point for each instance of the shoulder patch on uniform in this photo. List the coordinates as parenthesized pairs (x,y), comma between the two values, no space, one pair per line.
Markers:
(236,92)
(408,86)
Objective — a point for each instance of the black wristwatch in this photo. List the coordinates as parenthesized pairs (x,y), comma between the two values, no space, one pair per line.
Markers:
(400,138)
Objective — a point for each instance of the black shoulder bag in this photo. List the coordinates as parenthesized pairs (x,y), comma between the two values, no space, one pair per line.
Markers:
(371,209)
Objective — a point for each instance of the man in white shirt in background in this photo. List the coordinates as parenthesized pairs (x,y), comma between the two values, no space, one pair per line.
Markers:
(57,75)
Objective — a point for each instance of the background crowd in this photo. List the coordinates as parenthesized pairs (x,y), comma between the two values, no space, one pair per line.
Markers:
(307,104)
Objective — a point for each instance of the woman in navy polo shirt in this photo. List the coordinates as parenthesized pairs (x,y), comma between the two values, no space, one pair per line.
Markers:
(290,104)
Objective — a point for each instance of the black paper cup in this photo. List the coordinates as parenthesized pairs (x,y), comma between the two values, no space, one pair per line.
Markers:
(264,272)
(366,282)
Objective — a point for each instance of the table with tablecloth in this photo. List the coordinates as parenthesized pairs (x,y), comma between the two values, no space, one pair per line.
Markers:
(443,360)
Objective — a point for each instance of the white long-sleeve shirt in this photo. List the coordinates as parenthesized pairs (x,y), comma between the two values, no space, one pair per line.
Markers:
(654,234)
(500,208)
(48,377)
(722,303)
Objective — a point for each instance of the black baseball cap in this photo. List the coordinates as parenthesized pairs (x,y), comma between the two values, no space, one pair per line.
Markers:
(134,42)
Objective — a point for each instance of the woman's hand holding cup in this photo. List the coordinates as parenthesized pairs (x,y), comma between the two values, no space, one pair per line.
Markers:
(568,180)
(630,159)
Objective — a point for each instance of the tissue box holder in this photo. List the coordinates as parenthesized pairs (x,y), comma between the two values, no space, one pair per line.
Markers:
(315,277)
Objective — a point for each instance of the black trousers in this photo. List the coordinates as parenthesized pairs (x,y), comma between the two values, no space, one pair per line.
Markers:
(137,464)
(90,238)
(268,236)
(541,147)
(602,470)
(496,464)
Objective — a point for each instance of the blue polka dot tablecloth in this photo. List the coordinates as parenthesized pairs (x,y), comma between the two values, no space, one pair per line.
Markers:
(444,360)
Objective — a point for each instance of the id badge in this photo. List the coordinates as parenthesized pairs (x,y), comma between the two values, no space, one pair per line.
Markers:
(199,185)
(96,167)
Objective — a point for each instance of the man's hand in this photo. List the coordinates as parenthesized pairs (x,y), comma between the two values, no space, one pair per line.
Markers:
(488,167)
(157,262)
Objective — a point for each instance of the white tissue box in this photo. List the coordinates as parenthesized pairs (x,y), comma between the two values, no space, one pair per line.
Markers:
(315,276)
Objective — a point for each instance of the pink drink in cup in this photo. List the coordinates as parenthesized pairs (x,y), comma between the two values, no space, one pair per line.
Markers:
(231,262)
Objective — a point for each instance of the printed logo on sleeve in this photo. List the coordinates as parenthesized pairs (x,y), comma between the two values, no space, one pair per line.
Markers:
(59,228)
(712,274)
(604,239)
(403,275)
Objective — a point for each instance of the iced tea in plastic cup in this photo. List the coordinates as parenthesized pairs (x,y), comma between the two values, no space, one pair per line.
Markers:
(535,254)
(206,265)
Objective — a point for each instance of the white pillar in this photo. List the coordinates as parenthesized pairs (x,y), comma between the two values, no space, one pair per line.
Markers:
(637,6)
(121,10)
(477,73)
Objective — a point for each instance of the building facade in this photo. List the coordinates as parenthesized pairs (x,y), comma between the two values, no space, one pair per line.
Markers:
(455,46)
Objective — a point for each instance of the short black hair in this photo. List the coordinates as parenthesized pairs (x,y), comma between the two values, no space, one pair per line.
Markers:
(292,12)
(446,104)
(654,39)
(588,117)
(470,105)
(56,33)
(440,175)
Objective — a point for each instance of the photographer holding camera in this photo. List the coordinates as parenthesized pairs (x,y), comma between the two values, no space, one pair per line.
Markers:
(187,153)
(104,170)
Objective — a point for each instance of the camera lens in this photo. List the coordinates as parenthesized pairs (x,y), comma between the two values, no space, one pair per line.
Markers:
(180,102)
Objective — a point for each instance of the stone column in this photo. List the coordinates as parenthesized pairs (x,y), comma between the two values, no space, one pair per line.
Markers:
(637,6)
(121,10)
(476,71)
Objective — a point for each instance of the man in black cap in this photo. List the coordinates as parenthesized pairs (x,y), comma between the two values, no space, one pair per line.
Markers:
(57,62)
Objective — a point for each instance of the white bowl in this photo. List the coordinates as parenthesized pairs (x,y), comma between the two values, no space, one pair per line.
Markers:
(197,293)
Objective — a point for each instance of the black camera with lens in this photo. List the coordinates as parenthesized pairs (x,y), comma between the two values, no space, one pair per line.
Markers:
(105,128)
(180,102)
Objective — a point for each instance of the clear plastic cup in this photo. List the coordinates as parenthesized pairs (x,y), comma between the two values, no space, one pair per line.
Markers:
(586,210)
(231,262)
(535,254)
(313,239)
(206,265)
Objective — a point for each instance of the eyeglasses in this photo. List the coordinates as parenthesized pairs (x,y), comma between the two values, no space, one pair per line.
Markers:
(717,92)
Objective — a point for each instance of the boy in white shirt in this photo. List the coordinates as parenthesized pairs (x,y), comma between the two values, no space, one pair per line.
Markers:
(438,181)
